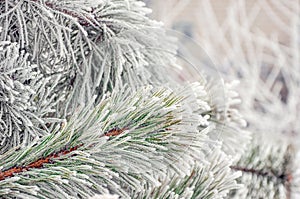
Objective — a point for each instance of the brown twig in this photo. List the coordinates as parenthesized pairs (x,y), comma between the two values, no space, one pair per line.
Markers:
(252,171)
(84,21)
(285,178)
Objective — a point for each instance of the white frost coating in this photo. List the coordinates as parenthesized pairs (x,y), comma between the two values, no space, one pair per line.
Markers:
(123,143)
(105,196)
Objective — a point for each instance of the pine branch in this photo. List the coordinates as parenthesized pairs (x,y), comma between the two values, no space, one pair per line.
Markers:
(50,158)
(284,178)
(145,136)
(36,164)
(269,165)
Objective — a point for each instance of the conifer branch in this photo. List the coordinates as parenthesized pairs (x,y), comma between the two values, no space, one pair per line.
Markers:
(271,165)
(36,164)
(50,158)
(285,178)
(135,125)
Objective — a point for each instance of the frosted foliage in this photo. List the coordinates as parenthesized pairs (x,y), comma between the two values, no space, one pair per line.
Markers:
(125,127)
(161,143)
(230,124)
(24,102)
(94,47)
(269,170)
(104,196)
(76,49)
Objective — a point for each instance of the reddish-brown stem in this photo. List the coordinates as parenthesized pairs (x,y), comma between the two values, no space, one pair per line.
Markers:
(115,131)
(36,164)
(288,183)
(50,158)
